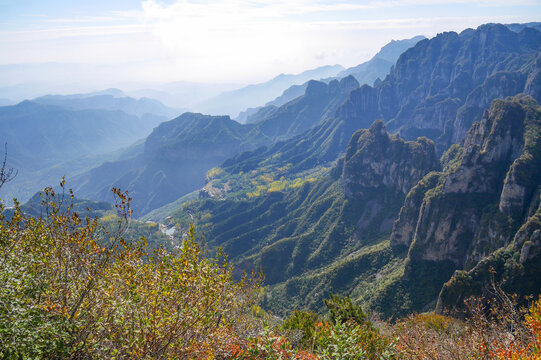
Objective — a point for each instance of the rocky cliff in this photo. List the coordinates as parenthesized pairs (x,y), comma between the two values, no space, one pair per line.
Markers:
(374,159)
(454,219)
(380,169)
(440,87)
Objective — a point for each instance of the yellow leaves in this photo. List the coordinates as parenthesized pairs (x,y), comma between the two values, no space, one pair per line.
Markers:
(266,178)
(214,173)
(206,217)
(279,185)
(121,300)
(109,218)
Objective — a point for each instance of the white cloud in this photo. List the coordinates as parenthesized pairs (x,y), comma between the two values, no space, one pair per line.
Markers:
(238,40)
(245,38)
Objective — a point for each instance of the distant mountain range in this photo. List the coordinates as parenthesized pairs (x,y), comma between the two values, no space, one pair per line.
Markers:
(177,94)
(179,152)
(107,101)
(366,73)
(27,81)
(379,66)
(6,102)
(58,135)
(175,159)
(233,102)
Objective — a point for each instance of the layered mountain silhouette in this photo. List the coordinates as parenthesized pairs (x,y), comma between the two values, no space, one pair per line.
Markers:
(233,102)
(366,73)
(175,159)
(179,152)
(409,194)
(318,103)
(138,107)
(379,66)
(55,136)
(388,222)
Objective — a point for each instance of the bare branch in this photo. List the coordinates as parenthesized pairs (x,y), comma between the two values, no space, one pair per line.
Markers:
(6,174)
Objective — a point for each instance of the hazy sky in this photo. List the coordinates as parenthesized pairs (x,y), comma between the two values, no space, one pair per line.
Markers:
(231,40)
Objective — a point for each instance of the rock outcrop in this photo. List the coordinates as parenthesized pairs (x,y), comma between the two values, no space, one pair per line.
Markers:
(454,219)
(379,169)
(376,160)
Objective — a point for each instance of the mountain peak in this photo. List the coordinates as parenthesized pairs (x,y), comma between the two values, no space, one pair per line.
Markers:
(198,116)
(391,51)
(349,83)
(316,88)
(378,128)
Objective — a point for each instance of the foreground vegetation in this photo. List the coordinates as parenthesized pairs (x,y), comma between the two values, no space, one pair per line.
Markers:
(71,288)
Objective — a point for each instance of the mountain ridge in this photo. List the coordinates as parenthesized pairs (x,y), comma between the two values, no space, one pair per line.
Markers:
(427,97)
(234,101)
(366,73)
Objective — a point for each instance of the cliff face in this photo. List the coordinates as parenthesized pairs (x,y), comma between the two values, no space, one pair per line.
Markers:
(379,169)
(318,103)
(375,159)
(533,83)
(516,267)
(404,227)
(453,219)
(497,86)
(440,87)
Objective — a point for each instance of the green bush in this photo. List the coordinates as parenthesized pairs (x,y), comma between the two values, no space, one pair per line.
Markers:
(342,310)
(304,321)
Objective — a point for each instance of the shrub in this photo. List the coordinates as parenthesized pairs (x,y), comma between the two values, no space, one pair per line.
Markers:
(269,345)
(350,340)
(495,329)
(305,322)
(342,309)
(349,334)
(69,288)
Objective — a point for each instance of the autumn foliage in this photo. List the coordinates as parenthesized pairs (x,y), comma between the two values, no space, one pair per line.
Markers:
(495,329)
(71,289)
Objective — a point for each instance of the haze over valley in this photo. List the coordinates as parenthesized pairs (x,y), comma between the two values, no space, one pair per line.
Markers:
(336,180)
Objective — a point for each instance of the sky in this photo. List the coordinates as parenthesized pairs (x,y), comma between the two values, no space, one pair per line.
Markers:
(220,41)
